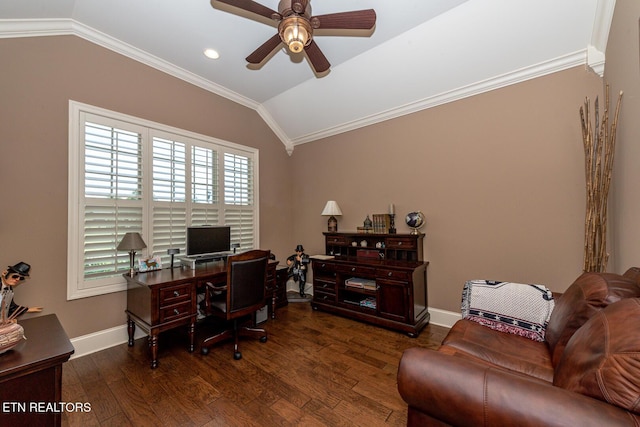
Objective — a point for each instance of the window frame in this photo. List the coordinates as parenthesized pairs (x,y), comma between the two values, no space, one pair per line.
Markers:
(77,286)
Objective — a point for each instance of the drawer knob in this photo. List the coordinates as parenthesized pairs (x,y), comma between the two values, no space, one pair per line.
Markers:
(176,293)
(353,269)
(399,243)
(389,274)
(324,265)
(176,311)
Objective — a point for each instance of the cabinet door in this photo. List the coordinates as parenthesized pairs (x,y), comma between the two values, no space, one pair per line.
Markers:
(392,300)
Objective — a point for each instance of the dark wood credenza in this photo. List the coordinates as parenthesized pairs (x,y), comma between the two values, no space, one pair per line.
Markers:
(31,374)
(391,264)
(165,299)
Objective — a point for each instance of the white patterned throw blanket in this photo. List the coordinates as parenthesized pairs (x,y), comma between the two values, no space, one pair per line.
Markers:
(515,308)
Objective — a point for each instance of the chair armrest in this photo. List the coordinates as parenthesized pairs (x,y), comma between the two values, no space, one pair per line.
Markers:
(217,288)
(460,392)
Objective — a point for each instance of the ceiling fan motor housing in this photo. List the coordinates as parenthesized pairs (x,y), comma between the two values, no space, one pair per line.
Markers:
(298,7)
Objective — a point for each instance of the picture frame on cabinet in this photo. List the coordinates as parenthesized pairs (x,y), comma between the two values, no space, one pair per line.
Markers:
(149,264)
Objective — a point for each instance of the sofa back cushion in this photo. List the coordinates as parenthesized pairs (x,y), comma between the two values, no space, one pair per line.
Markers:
(590,293)
(602,359)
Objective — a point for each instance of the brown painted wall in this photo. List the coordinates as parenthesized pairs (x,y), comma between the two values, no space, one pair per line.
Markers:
(39,77)
(499,177)
(622,72)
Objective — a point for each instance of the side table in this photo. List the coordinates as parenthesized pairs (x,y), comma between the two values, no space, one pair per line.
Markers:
(31,374)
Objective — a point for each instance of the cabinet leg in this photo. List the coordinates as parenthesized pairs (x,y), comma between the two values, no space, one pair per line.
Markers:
(273,305)
(153,344)
(131,329)
(192,333)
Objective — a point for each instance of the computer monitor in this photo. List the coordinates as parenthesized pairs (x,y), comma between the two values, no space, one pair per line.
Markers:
(208,240)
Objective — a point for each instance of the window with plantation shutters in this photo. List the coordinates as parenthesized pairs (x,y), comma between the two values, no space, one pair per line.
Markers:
(130,175)
(238,198)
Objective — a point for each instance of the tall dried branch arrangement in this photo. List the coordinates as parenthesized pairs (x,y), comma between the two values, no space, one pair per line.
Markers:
(599,148)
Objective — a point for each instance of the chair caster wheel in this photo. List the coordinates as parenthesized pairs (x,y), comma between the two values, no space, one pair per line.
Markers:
(237,355)
(263,339)
(204,350)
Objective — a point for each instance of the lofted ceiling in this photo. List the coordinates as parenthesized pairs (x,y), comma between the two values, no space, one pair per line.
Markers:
(421,53)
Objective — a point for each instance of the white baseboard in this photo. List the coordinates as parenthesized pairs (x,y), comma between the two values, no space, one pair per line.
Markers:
(90,343)
(443,317)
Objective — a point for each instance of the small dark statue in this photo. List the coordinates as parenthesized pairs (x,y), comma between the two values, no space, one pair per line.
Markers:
(298,264)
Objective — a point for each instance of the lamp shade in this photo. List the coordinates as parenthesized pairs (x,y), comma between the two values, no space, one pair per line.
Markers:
(331,208)
(131,242)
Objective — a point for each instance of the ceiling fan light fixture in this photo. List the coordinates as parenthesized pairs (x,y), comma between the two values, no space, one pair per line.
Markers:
(295,32)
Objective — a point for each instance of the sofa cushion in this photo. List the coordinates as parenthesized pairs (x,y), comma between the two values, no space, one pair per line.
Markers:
(602,359)
(590,293)
(471,340)
(513,308)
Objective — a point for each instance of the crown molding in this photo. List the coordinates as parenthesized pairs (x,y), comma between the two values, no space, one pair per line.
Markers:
(55,27)
(507,79)
(275,127)
(600,35)
(12,28)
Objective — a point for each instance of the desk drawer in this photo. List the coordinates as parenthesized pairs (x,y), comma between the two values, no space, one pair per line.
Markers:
(389,274)
(174,312)
(401,243)
(323,297)
(337,240)
(323,267)
(358,270)
(175,294)
(323,286)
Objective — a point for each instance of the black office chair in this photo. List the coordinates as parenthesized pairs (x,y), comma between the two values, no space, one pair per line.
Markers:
(243,295)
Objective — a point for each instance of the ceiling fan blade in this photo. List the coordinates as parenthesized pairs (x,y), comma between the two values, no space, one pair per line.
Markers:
(316,57)
(356,20)
(251,6)
(258,55)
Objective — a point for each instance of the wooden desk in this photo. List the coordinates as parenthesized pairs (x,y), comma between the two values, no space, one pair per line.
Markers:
(279,291)
(31,374)
(165,299)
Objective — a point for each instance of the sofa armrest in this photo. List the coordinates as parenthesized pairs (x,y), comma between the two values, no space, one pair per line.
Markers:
(462,392)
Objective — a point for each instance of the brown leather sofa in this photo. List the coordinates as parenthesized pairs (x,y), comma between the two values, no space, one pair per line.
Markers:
(585,373)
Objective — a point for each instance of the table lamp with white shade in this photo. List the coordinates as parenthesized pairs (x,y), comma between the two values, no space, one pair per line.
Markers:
(331,209)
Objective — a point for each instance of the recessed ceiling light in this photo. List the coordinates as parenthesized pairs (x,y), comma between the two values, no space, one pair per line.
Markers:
(211,53)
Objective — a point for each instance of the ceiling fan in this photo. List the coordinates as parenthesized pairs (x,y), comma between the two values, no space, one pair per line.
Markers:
(296,25)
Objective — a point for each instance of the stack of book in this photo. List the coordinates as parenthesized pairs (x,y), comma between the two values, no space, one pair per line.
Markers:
(369,302)
(381,223)
(359,283)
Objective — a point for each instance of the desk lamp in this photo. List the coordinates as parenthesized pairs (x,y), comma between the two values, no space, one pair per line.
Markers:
(172,252)
(332,210)
(131,242)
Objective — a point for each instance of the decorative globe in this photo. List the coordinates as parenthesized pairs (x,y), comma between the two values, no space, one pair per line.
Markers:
(415,220)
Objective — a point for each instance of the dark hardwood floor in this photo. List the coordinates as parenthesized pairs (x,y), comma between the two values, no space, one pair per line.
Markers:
(316,369)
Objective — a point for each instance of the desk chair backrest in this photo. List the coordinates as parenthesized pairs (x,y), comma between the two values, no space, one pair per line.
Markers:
(246,282)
